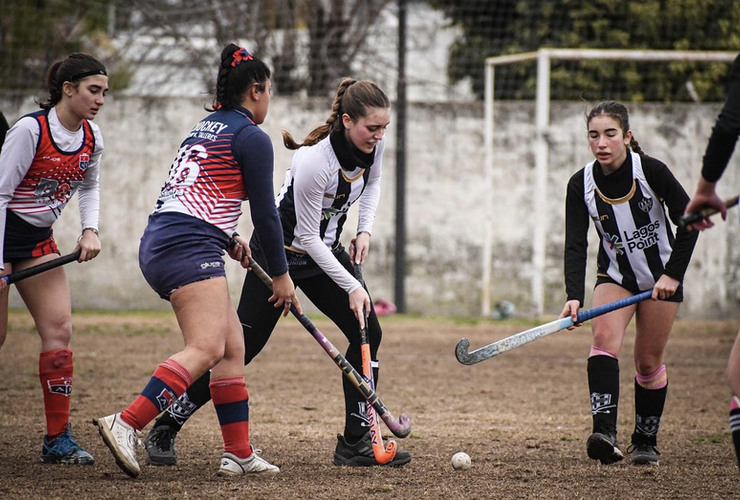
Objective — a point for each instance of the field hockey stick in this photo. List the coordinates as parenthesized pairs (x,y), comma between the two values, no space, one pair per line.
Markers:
(525,337)
(401,427)
(705,213)
(382,455)
(33,271)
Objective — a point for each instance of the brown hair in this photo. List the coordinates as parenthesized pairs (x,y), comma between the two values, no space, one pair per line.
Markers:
(618,112)
(353,97)
(73,69)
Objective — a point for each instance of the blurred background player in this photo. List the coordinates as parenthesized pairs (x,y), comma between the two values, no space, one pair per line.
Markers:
(225,159)
(47,156)
(623,191)
(338,164)
(719,150)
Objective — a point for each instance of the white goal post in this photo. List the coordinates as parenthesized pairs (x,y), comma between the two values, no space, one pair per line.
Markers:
(544,57)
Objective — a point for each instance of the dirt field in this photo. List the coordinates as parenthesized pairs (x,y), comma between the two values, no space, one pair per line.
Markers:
(523,418)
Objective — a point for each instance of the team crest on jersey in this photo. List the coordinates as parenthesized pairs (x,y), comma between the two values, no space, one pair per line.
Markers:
(645,204)
(84,161)
(165,399)
(614,243)
(61,386)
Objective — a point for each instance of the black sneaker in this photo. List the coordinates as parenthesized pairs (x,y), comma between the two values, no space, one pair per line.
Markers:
(643,454)
(360,454)
(160,446)
(603,447)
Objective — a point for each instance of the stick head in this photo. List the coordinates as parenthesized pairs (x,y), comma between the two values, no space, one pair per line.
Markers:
(461,352)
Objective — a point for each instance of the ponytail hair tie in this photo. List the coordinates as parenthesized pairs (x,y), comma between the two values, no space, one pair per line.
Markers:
(239,56)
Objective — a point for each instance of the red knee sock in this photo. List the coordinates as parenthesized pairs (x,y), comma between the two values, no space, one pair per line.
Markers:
(231,400)
(168,382)
(55,373)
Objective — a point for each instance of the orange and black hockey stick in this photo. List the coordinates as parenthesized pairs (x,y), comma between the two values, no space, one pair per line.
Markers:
(383,455)
(401,427)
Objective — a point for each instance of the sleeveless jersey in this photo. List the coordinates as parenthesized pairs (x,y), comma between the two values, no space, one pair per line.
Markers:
(636,239)
(54,175)
(205,179)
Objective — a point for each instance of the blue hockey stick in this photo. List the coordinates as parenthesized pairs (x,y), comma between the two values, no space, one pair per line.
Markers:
(525,337)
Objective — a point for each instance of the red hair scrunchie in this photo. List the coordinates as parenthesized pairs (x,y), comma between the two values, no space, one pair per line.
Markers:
(239,56)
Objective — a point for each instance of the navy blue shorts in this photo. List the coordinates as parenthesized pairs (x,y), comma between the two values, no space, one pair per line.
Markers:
(177,249)
(26,241)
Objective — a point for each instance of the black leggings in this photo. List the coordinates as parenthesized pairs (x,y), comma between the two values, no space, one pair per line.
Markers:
(259,317)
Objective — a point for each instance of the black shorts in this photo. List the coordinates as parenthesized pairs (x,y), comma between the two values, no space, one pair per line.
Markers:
(676,297)
(26,241)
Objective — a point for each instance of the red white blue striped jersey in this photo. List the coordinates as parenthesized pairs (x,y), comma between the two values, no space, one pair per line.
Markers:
(43,164)
(205,179)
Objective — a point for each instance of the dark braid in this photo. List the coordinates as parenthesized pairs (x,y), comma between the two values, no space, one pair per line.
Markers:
(619,113)
(353,97)
(236,73)
(73,69)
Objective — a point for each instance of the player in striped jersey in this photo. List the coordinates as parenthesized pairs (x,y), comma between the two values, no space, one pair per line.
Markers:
(224,160)
(719,150)
(47,156)
(338,164)
(625,193)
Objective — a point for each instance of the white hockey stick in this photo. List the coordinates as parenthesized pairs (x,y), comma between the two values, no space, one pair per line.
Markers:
(527,336)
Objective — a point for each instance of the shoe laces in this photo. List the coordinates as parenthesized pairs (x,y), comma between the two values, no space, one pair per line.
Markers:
(163,438)
(642,447)
(64,444)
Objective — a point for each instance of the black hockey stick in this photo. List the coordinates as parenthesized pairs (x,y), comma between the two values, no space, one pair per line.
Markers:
(33,271)
(401,427)
(705,213)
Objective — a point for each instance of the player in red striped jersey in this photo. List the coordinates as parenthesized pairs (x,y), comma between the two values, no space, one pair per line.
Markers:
(224,160)
(46,157)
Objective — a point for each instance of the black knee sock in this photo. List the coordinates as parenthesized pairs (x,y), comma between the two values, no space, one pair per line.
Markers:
(603,385)
(735,429)
(357,420)
(649,404)
(180,411)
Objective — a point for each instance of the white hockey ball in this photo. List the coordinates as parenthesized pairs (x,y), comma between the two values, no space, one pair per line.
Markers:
(461,461)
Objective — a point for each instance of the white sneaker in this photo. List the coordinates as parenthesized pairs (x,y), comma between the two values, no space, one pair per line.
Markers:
(122,440)
(231,465)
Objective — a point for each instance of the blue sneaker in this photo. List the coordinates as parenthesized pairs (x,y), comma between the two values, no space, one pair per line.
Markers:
(64,450)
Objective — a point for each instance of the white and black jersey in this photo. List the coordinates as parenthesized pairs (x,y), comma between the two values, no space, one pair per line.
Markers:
(324,181)
(637,244)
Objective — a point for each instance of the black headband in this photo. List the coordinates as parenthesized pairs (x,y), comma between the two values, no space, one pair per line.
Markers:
(80,76)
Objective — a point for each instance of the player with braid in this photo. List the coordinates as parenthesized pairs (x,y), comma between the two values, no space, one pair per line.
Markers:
(625,193)
(716,157)
(47,156)
(338,163)
(224,160)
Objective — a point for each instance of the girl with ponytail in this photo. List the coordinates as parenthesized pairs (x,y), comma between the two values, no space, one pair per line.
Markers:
(46,157)
(223,161)
(626,194)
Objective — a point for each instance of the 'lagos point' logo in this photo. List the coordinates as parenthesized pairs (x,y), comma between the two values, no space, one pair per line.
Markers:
(643,237)
(614,243)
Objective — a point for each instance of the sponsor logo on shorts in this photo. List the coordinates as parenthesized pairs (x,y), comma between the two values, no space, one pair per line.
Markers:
(215,264)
